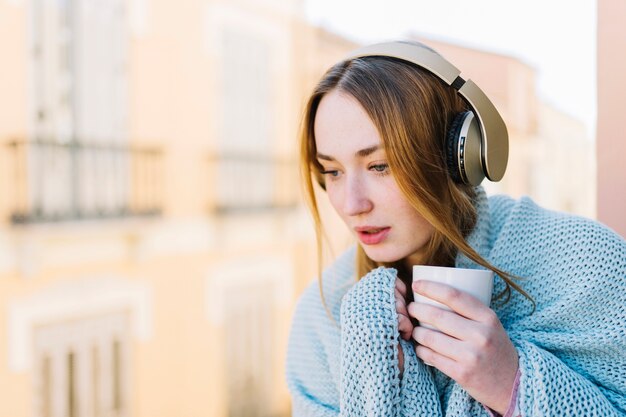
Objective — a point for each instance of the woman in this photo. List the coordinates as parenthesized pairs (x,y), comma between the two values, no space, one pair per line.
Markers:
(381,136)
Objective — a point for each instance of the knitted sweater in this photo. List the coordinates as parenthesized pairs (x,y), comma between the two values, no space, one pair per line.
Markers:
(572,348)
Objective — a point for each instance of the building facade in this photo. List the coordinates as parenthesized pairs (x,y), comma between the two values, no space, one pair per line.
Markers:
(151,233)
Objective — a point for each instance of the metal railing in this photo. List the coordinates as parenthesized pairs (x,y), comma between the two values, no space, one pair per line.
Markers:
(53,181)
(252,183)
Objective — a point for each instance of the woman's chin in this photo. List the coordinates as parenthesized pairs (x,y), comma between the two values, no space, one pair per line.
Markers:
(380,256)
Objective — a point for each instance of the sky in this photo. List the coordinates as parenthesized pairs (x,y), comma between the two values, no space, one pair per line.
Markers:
(555,37)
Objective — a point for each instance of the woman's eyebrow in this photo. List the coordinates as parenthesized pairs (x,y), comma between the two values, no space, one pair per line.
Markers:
(361,154)
(367,151)
(324,157)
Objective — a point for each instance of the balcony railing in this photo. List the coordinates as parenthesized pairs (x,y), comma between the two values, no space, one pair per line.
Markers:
(252,183)
(53,181)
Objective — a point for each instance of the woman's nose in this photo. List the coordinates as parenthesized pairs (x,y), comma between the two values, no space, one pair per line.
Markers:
(356,199)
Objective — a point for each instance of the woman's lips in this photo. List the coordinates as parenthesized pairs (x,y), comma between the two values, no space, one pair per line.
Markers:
(372,235)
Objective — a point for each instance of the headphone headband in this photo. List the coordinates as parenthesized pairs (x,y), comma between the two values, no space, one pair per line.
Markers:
(494,136)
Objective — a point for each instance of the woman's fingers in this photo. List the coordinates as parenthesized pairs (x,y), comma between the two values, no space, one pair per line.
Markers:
(405,327)
(404,322)
(460,302)
(445,321)
(400,304)
(432,358)
(438,342)
(401,286)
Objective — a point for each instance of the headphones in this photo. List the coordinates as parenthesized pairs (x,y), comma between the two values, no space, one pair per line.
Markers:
(477,142)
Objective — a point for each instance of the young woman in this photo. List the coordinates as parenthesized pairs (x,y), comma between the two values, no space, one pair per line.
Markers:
(400,142)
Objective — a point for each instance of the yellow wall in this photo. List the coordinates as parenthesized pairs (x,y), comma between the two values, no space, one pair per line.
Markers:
(179,368)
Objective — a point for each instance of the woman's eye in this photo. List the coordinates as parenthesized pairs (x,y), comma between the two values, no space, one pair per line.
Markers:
(330,173)
(380,168)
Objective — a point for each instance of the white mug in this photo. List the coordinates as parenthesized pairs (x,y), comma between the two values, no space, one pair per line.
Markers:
(476,282)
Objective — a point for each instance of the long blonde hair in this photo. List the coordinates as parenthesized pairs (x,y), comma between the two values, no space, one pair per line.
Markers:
(412,111)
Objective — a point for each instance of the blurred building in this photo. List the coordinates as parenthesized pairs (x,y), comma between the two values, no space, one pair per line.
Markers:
(151,230)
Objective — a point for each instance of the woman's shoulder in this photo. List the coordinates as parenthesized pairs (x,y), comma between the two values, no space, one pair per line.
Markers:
(556,233)
(526,212)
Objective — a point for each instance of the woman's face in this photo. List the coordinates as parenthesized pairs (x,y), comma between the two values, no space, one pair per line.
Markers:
(360,185)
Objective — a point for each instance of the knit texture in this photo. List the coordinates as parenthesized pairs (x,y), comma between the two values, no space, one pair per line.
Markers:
(572,348)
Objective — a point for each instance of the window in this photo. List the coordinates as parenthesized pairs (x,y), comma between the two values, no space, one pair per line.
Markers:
(244,299)
(244,166)
(246,90)
(249,350)
(82,368)
(77,163)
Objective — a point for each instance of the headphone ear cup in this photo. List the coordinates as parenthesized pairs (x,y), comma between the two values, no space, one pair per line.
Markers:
(452,147)
(463,150)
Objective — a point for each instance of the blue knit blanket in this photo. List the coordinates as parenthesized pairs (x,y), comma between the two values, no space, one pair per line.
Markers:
(572,348)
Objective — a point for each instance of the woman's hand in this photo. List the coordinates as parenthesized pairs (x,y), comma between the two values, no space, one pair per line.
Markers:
(404,322)
(471,345)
